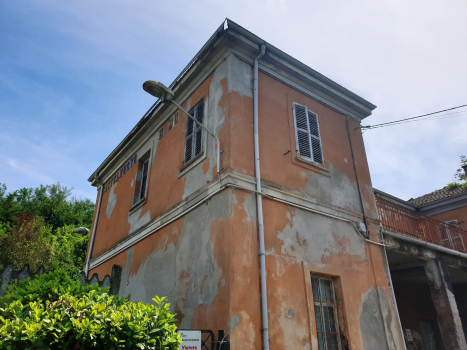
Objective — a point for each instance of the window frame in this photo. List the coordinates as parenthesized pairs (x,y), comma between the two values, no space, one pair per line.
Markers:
(319,304)
(137,199)
(193,135)
(144,180)
(310,135)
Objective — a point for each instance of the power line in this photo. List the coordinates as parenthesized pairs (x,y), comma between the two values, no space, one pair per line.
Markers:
(406,120)
(441,116)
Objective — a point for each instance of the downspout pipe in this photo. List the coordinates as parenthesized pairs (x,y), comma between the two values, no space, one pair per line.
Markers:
(93,235)
(424,244)
(356,177)
(259,205)
(392,291)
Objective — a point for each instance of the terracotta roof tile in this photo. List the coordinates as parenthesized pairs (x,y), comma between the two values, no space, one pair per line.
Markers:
(435,196)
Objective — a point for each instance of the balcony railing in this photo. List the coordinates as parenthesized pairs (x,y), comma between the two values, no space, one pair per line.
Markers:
(398,219)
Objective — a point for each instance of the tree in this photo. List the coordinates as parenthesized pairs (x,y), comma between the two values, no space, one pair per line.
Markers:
(29,242)
(37,224)
(49,202)
(460,176)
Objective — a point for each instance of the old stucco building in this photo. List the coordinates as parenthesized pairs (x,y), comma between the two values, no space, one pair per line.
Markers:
(426,241)
(181,229)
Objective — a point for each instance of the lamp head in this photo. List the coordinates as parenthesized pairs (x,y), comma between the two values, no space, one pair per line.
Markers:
(81,230)
(158,90)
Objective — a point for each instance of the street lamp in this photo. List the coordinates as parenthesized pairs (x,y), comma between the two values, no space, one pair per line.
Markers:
(159,90)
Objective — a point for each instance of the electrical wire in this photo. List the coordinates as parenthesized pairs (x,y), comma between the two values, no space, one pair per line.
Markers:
(429,116)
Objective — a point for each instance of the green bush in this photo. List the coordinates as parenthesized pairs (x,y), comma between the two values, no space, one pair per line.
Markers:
(53,311)
(37,224)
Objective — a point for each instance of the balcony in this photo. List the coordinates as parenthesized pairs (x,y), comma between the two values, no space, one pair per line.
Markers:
(398,219)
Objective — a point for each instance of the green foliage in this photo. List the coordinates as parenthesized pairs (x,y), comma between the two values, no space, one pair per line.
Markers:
(50,203)
(29,242)
(459,176)
(37,224)
(53,311)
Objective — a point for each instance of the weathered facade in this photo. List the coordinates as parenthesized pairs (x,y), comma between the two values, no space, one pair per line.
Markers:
(427,256)
(179,229)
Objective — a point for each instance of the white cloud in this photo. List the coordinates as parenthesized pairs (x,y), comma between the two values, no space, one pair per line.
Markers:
(408,58)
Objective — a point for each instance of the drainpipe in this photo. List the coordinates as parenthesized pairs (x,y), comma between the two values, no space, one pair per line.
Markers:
(356,178)
(86,268)
(259,205)
(392,290)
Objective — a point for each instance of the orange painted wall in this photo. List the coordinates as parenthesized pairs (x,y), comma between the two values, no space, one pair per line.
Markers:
(277,137)
(459,214)
(298,243)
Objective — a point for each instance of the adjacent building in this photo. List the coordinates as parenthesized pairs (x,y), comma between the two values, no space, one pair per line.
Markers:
(426,241)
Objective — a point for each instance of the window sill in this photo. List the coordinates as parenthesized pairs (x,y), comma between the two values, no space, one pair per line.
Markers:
(137,205)
(313,165)
(191,164)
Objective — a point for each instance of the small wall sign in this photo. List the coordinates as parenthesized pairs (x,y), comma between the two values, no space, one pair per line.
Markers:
(120,173)
(191,339)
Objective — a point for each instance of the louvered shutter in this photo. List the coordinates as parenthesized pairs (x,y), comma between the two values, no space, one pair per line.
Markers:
(198,143)
(194,133)
(307,136)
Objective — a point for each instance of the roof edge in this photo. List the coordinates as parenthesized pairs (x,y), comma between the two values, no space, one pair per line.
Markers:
(227,25)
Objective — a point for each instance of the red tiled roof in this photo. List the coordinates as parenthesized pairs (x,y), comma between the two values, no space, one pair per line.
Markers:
(435,196)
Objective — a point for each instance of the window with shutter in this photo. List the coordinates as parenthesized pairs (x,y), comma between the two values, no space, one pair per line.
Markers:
(194,133)
(307,136)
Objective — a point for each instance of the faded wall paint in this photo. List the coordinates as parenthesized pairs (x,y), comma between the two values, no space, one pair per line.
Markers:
(300,242)
(207,263)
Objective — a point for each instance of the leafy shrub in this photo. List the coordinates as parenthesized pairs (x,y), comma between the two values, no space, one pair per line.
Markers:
(460,176)
(453,185)
(37,224)
(53,311)
(29,242)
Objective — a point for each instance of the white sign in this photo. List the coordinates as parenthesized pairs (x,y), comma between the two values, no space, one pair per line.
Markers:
(191,340)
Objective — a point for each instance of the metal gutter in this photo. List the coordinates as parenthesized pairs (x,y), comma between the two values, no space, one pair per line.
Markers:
(274,50)
(259,205)
(91,245)
(424,244)
(393,199)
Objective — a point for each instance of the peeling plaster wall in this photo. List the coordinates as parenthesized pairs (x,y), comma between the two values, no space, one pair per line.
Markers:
(299,243)
(207,263)
(334,182)
(336,189)
(186,272)
(190,262)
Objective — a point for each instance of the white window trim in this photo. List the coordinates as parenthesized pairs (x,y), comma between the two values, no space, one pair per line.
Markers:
(301,157)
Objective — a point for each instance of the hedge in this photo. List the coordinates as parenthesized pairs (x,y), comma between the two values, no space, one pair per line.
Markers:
(53,311)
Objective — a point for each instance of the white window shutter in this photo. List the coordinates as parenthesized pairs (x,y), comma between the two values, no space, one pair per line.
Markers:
(307,136)
(315,138)
(301,131)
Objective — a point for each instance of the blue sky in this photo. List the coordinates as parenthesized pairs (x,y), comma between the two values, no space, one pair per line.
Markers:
(71,74)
